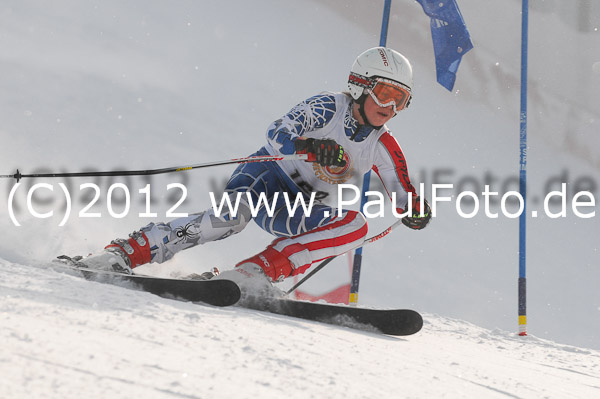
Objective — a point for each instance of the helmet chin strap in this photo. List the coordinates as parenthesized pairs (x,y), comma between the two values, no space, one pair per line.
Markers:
(366,127)
(361,111)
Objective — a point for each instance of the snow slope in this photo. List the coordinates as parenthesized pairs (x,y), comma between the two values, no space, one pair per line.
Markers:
(105,85)
(65,337)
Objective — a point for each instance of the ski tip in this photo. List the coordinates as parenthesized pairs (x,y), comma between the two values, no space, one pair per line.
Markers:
(417,322)
(402,322)
(229,294)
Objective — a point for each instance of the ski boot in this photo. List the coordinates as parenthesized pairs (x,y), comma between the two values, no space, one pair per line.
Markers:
(113,260)
(256,275)
(120,256)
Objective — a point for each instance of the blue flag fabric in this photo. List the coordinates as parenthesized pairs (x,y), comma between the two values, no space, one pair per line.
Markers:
(451,40)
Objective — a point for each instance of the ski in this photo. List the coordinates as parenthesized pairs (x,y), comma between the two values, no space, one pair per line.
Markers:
(212,292)
(399,322)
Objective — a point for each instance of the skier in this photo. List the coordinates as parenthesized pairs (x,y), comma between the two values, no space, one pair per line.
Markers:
(344,135)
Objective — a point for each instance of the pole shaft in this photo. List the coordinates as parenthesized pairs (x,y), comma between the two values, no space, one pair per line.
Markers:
(356,266)
(522,287)
(258,158)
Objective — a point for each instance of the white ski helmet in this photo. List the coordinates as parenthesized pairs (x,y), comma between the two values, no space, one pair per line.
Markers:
(378,62)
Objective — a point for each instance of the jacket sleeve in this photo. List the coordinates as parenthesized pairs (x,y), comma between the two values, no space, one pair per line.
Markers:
(390,166)
(311,114)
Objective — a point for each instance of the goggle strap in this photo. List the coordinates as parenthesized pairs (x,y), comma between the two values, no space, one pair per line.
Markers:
(361,81)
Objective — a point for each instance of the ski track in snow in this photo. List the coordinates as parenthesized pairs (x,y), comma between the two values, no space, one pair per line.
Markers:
(65,337)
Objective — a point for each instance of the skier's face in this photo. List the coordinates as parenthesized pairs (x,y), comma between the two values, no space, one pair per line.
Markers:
(377,115)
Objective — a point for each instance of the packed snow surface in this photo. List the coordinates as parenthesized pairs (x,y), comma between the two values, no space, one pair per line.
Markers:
(66,337)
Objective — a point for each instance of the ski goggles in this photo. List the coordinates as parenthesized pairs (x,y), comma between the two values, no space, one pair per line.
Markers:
(387,92)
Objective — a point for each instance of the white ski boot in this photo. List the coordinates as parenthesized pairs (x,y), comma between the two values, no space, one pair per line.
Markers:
(252,280)
(112,259)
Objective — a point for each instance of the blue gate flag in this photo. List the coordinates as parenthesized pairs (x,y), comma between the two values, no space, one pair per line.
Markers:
(451,40)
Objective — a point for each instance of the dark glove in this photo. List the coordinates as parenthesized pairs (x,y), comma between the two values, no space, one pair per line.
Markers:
(416,221)
(325,152)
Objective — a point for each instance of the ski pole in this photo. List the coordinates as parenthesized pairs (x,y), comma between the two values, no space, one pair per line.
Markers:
(326,261)
(257,158)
